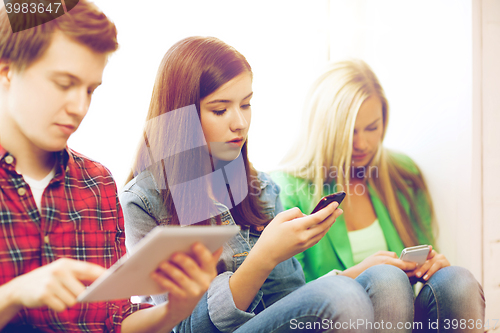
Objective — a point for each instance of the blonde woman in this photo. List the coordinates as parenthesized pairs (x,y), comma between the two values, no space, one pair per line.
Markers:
(387,208)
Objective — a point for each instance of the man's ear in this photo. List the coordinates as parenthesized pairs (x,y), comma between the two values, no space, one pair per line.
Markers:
(6,72)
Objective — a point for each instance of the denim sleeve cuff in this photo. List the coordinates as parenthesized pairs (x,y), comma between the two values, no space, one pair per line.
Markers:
(221,308)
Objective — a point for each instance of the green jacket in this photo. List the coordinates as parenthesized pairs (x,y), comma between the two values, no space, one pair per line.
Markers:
(334,250)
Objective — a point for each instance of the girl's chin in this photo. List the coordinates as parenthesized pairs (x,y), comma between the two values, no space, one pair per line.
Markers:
(363,163)
(359,165)
(226,156)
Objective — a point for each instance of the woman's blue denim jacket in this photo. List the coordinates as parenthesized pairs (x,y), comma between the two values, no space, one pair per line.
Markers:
(143,210)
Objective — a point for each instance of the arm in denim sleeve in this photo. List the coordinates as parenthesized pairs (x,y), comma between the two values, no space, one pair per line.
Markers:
(278,208)
(138,219)
(221,308)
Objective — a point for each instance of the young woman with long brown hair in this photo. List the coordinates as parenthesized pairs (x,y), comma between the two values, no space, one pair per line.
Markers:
(192,168)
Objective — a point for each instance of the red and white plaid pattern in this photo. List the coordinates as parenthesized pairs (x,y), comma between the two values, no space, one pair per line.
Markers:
(80,218)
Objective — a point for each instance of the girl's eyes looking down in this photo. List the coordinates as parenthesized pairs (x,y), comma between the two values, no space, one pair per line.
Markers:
(221,112)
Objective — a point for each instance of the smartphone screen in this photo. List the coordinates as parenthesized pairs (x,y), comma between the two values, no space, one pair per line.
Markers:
(328,199)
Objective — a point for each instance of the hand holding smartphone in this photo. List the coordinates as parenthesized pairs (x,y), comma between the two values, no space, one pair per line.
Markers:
(416,254)
(328,199)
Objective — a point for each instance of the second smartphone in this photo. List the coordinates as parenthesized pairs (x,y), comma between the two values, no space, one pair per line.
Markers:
(328,199)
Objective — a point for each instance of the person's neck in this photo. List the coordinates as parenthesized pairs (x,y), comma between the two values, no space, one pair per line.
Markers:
(358,174)
(31,161)
(34,164)
(217,164)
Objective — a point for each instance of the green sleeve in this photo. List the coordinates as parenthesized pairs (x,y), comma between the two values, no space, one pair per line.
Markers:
(422,206)
(288,189)
(426,219)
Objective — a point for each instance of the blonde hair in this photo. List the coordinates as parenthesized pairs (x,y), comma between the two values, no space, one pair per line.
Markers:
(324,148)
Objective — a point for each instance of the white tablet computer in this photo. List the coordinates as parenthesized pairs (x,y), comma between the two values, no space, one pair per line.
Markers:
(130,275)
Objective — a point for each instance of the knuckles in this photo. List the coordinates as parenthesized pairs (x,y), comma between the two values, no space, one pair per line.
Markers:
(204,286)
(295,211)
(302,240)
(62,262)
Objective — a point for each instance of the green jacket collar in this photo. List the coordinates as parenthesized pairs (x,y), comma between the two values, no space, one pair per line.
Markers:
(338,238)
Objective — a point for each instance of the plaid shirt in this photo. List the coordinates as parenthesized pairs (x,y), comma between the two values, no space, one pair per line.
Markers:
(81,218)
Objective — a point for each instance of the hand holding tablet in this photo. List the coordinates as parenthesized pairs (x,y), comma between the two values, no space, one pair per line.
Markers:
(131,275)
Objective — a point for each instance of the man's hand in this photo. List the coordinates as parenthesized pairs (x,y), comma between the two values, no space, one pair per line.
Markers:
(55,285)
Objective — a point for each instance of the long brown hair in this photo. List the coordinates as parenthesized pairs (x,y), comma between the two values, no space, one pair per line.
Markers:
(173,148)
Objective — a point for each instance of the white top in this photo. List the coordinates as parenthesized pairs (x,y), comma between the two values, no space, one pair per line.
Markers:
(367,241)
(38,186)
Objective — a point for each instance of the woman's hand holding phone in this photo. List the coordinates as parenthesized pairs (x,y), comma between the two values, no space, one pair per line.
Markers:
(381,257)
(328,199)
(435,262)
(289,233)
(301,231)
(292,232)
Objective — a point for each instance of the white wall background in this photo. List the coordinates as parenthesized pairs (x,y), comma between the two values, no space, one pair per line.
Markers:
(422,52)
(486,30)
(284,42)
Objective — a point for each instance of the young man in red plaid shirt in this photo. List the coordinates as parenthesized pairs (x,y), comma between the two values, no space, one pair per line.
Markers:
(61,223)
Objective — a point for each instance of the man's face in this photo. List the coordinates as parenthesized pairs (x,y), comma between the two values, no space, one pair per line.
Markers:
(45,103)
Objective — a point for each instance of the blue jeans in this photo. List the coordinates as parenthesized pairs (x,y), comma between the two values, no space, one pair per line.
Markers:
(329,304)
(449,296)
(450,301)
(392,297)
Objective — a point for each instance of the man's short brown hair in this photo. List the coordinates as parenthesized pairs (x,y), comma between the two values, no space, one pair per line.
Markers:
(85,23)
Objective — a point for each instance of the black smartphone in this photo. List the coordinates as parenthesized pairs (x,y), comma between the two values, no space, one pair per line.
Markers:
(328,199)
